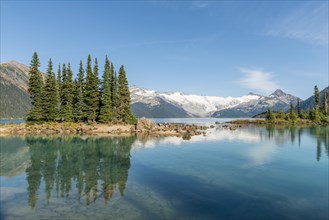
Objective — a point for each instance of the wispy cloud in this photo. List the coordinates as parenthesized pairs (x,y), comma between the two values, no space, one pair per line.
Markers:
(308,23)
(201,4)
(258,80)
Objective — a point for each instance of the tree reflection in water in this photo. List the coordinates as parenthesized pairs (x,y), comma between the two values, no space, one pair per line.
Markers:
(96,167)
(320,133)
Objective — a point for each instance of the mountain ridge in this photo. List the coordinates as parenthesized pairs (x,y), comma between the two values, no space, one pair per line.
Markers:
(212,106)
(14,98)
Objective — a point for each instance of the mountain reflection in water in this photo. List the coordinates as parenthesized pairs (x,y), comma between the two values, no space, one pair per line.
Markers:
(277,136)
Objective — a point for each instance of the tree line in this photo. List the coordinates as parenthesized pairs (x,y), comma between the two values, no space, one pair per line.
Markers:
(319,113)
(319,133)
(88,98)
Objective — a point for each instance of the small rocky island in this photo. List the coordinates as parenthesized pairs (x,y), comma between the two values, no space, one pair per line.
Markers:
(145,126)
(87,105)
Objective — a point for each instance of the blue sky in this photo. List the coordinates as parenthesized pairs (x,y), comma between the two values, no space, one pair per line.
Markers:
(202,47)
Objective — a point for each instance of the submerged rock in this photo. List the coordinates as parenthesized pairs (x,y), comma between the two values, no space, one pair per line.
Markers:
(186,136)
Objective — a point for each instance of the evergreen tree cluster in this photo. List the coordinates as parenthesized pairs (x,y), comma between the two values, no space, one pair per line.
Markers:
(320,112)
(85,99)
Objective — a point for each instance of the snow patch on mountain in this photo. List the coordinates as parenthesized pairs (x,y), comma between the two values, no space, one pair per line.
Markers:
(195,105)
(205,105)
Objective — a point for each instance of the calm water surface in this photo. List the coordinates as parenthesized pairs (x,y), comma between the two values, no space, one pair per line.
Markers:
(202,121)
(11,121)
(249,173)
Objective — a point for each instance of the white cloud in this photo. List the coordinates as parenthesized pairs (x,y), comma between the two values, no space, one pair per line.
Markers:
(308,23)
(258,80)
(215,134)
(261,154)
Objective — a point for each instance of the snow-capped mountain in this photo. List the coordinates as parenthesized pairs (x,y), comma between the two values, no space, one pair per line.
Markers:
(278,101)
(150,103)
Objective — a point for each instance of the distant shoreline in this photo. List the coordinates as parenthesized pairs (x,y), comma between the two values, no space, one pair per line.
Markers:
(299,122)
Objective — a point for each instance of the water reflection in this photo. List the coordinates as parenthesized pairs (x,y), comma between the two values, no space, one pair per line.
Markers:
(319,133)
(276,137)
(95,167)
(91,169)
(14,156)
(322,138)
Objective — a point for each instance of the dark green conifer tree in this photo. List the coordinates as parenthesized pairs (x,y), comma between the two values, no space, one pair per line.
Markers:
(299,110)
(96,93)
(59,88)
(114,93)
(325,103)
(63,84)
(292,114)
(269,115)
(35,90)
(78,95)
(67,94)
(50,98)
(63,97)
(113,84)
(89,112)
(317,96)
(316,116)
(124,110)
(105,113)
(59,79)
(71,91)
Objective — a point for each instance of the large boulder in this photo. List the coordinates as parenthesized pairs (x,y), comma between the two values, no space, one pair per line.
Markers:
(145,124)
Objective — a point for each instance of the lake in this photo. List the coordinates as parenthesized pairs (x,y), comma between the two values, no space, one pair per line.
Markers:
(249,173)
(11,121)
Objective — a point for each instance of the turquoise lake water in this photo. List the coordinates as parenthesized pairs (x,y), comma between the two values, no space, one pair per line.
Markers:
(249,173)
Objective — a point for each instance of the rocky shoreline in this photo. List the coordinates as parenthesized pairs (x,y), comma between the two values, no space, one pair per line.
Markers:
(144,126)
